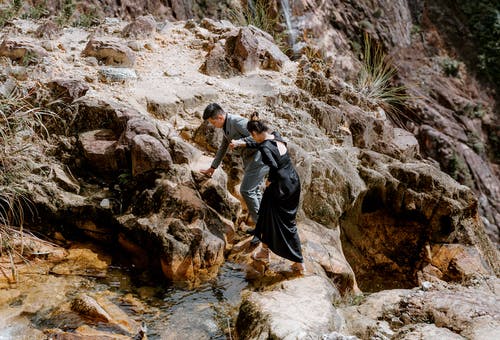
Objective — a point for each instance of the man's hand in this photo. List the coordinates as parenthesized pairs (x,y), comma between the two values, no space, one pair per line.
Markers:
(209,172)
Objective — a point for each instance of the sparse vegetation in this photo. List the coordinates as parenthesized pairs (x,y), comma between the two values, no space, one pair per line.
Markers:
(376,81)
(472,110)
(9,12)
(68,9)
(258,15)
(450,67)
(88,19)
(458,170)
(36,12)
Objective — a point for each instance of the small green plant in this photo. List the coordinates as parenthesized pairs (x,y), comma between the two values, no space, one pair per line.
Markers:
(257,14)
(68,9)
(89,19)
(36,12)
(349,299)
(9,12)
(375,81)
(124,178)
(415,29)
(450,67)
(28,58)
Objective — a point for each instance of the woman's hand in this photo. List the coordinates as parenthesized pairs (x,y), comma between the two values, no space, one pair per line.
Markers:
(267,183)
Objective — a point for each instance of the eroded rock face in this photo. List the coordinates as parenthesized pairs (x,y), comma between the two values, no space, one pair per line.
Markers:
(452,311)
(448,218)
(178,231)
(68,89)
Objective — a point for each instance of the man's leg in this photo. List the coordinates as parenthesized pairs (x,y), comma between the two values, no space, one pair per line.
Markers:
(250,189)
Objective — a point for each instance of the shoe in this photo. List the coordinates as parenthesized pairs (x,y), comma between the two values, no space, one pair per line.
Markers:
(250,231)
(298,268)
(255,241)
(261,255)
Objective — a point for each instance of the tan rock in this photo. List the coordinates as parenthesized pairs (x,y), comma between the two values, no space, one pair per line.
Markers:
(99,150)
(81,262)
(148,153)
(66,181)
(110,52)
(22,51)
(68,89)
(458,262)
(142,27)
(89,307)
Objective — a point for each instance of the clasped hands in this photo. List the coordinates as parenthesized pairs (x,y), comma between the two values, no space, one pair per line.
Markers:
(236,143)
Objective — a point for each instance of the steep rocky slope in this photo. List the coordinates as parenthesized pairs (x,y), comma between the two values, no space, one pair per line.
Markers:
(375,214)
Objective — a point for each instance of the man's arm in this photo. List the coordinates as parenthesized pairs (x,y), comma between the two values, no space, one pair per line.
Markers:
(221,152)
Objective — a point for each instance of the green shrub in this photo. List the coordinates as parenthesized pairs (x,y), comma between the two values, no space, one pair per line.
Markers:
(483,21)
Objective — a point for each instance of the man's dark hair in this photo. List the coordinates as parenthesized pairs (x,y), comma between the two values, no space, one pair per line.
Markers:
(212,110)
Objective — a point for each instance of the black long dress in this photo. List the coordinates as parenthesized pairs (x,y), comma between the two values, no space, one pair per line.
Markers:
(276,226)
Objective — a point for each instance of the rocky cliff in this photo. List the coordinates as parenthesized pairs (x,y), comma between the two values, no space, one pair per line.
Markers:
(378,210)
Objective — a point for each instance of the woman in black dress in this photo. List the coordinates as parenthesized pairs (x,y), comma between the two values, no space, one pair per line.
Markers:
(276,226)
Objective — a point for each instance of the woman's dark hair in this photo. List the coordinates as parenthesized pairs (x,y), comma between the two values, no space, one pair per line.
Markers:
(212,110)
(256,125)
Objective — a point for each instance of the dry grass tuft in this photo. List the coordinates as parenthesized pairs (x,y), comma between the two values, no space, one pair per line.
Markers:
(376,82)
(23,145)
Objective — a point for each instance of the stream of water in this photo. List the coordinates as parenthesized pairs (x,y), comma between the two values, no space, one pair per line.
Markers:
(287,13)
(168,312)
(206,312)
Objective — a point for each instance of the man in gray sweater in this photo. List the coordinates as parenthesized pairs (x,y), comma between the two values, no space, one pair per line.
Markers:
(235,128)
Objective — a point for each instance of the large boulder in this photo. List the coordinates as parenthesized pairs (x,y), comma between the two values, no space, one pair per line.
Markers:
(420,210)
(444,310)
(142,27)
(149,153)
(244,51)
(172,228)
(93,113)
(296,309)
